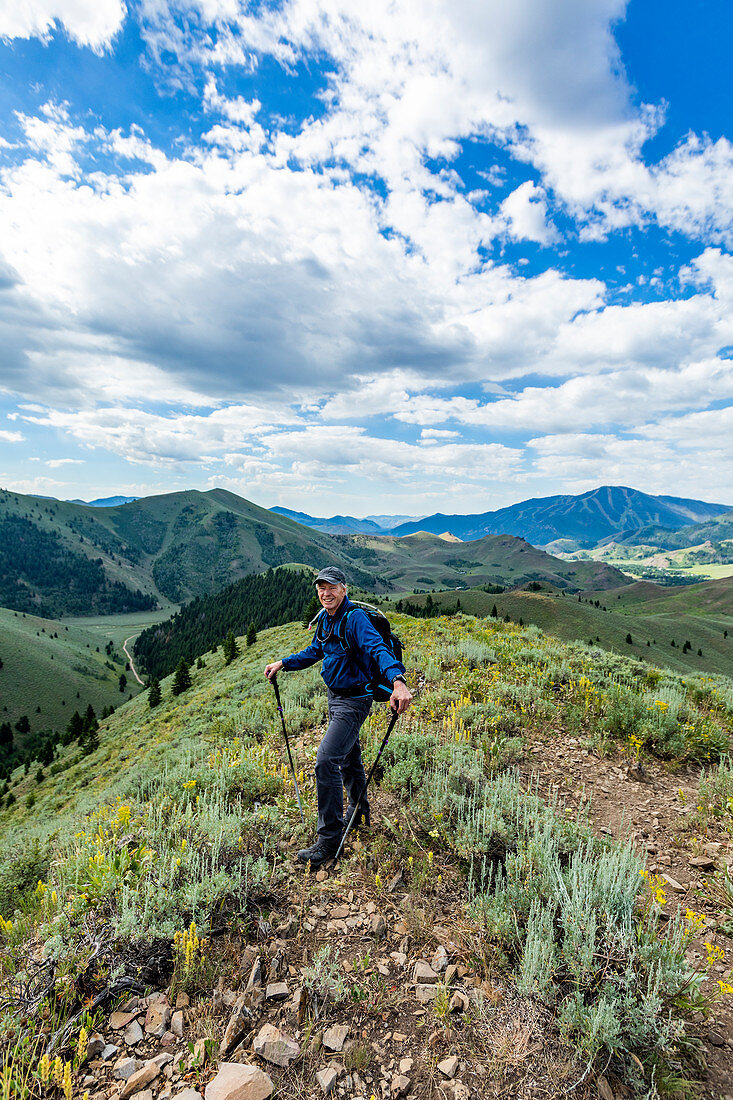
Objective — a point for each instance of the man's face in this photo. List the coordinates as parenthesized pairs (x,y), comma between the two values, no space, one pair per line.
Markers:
(330,595)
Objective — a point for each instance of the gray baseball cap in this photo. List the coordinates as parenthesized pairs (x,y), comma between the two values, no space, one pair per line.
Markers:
(331,575)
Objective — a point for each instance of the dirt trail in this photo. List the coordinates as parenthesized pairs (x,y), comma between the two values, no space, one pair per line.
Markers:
(133,670)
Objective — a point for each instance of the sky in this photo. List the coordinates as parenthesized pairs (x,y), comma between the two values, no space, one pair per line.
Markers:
(397,257)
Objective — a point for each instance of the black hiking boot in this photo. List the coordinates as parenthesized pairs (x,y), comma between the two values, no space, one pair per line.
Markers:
(319,853)
(363,818)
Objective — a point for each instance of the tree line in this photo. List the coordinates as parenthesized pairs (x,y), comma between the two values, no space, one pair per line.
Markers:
(262,599)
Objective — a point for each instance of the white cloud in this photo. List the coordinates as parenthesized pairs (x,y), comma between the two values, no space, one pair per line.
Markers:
(89,22)
(526,211)
(55,463)
(11,437)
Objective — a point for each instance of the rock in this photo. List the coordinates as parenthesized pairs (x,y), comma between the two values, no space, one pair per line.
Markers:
(450,973)
(340,912)
(157,1019)
(703,863)
(189,1094)
(133,1034)
(182,1000)
(674,884)
(424,973)
(400,1085)
(377,925)
(277,991)
(168,1039)
(426,993)
(327,1078)
(124,1068)
(118,1020)
(449,1066)
(255,976)
(461,1091)
(399,958)
(459,1002)
(238,1082)
(275,1046)
(406,1065)
(108,1052)
(321,876)
(95,1045)
(239,1022)
(177,1024)
(146,1094)
(140,1079)
(716,1039)
(605,1092)
(394,882)
(399,1037)
(439,960)
(335,1037)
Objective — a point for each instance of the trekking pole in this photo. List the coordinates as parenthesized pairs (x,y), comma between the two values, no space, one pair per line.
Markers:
(273,681)
(354,816)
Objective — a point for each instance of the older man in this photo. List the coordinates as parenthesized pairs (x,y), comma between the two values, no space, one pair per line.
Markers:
(352,653)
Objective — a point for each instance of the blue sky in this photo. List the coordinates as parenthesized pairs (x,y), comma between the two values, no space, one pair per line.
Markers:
(425,256)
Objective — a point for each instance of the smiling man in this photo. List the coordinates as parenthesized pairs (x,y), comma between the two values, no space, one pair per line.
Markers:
(353,655)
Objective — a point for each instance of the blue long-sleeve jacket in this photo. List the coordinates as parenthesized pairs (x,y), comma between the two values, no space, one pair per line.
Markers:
(340,670)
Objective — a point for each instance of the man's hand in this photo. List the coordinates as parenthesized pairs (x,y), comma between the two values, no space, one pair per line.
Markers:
(401,697)
(274,668)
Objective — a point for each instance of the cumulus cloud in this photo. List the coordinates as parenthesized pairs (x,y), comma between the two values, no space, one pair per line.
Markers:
(91,23)
(11,437)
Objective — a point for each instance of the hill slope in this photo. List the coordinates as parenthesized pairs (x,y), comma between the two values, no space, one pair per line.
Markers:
(586,519)
(186,812)
(50,669)
(646,611)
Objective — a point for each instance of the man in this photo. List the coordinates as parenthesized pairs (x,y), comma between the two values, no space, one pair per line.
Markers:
(349,654)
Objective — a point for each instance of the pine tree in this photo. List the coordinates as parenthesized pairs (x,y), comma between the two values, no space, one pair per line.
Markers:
(311,610)
(123,681)
(629,639)
(494,612)
(154,693)
(229,648)
(251,634)
(91,725)
(182,678)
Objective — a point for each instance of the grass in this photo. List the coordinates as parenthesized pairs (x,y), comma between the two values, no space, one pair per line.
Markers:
(701,614)
(55,666)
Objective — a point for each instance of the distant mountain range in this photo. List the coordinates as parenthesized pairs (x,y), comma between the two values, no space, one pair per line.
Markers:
(346,525)
(105,502)
(175,546)
(582,521)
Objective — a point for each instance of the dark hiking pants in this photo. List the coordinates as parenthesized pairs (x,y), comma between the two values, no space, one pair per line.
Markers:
(338,764)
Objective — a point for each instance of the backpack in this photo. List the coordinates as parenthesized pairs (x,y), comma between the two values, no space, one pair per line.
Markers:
(382,690)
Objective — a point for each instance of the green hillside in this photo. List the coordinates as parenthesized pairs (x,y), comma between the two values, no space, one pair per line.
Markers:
(699,614)
(174,547)
(185,812)
(425,559)
(50,669)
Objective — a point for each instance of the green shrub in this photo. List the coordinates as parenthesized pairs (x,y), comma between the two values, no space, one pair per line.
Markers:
(20,872)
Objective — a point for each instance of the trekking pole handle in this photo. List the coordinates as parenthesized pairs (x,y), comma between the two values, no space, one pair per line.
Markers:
(276,689)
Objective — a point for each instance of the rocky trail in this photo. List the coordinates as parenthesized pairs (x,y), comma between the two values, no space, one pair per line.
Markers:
(353,987)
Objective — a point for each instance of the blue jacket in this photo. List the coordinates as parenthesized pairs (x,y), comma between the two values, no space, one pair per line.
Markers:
(340,671)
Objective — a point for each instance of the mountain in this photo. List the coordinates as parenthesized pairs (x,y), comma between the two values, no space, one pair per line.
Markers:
(715,530)
(587,519)
(61,558)
(334,525)
(105,502)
